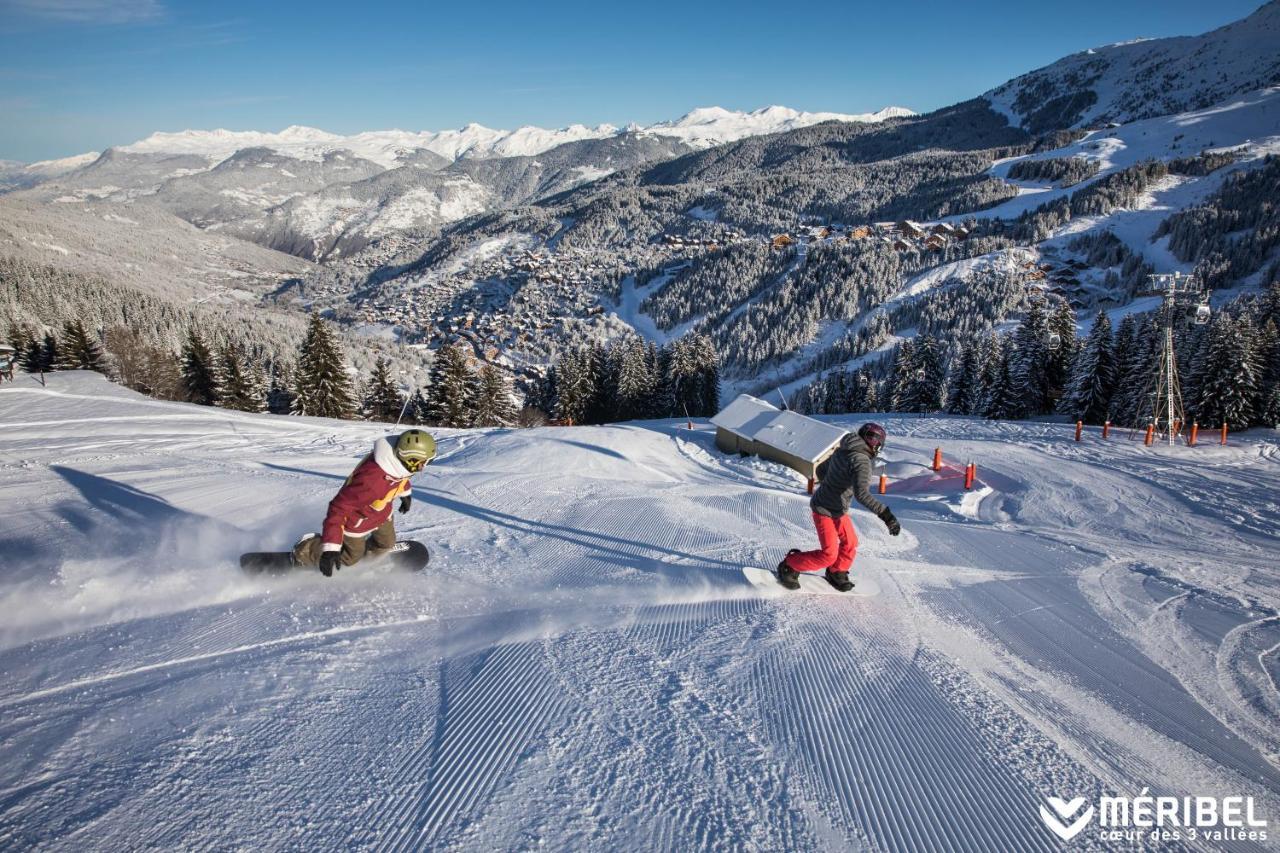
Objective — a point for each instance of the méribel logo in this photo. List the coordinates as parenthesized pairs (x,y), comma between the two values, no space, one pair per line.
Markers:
(1062,823)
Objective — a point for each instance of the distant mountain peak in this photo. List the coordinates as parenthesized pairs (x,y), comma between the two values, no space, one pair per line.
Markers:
(1147,77)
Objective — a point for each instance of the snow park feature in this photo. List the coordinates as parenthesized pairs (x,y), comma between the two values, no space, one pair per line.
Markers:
(583,664)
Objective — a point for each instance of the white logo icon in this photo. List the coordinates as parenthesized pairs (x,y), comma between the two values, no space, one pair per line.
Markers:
(1061,828)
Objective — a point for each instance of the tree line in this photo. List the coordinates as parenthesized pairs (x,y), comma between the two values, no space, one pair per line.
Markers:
(1230,370)
(632,380)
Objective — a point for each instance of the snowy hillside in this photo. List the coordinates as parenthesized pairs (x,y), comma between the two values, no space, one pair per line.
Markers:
(1146,77)
(583,665)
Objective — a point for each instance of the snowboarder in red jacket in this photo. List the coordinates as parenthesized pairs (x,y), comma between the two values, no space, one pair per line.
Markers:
(846,475)
(358,522)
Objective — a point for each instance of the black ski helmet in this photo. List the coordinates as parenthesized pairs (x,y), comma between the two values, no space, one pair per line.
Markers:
(873,435)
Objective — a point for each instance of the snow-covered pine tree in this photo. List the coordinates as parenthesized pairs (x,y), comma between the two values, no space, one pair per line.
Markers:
(200,378)
(1029,362)
(1269,352)
(992,356)
(1061,322)
(383,400)
(241,386)
(322,386)
(904,386)
(965,376)
(931,374)
(1004,401)
(662,397)
(635,382)
(604,384)
(708,365)
(79,349)
(1229,391)
(450,398)
(685,377)
(31,353)
(493,399)
(574,387)
(1093,378)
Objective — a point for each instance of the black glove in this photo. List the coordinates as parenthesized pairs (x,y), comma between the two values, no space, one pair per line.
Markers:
(330,562)
(405,502)
(891,522)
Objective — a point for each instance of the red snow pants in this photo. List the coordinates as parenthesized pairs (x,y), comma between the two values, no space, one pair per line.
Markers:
(837,546)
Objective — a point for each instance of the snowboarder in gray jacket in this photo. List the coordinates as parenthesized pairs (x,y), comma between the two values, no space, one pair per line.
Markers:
(845,475)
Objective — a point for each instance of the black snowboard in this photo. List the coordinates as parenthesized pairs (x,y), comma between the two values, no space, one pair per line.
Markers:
(405,554)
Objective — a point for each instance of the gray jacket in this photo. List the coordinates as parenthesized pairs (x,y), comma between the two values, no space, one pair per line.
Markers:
(844,476)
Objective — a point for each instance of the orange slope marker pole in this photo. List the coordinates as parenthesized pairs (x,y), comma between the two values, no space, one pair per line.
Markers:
(1195,434)
(937,459)
(1079,429)
(884,484)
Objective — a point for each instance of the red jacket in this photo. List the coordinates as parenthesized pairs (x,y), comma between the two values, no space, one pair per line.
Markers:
(366,500)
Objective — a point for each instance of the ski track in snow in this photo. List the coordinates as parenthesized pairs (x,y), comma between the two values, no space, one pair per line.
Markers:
(582,666)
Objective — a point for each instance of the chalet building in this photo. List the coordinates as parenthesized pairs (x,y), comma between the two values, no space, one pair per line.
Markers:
(861,232)
(751,426)
(943,229)
(935,243)
(781,241)
(902,245)
(907,228)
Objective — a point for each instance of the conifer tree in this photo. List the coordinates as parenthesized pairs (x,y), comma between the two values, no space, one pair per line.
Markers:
(322,385)
(1004,401)
(634,381)
(1058,365)
(992,356)
(1029,363)
(78,349)
(574,387)
(1093,379)
(1230,387)
(450,394)
(242,384)
(708,365)
(964,378)
(1269,350)
(662,396)
(199,372)
(604,381)
(493,399)
(382,400)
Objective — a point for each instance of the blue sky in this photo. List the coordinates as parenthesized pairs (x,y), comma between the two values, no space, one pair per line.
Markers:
(80,75)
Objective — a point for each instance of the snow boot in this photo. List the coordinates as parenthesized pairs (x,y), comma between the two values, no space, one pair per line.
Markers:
(840,580)
(788,576)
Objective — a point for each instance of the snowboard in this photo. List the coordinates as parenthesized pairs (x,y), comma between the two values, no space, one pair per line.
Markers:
(812,583)
(406,554)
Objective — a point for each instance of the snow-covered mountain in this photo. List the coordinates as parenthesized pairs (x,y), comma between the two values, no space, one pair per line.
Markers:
(1147,77)
(16,176)
(319,194)
(583,665)
(702,127)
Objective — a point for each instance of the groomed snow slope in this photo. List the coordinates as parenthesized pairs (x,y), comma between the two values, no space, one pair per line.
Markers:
(583,666)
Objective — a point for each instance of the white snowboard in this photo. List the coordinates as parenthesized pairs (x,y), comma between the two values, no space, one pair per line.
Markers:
(810,582)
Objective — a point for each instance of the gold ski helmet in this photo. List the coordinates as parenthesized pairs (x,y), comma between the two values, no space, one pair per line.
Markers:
(415,448)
